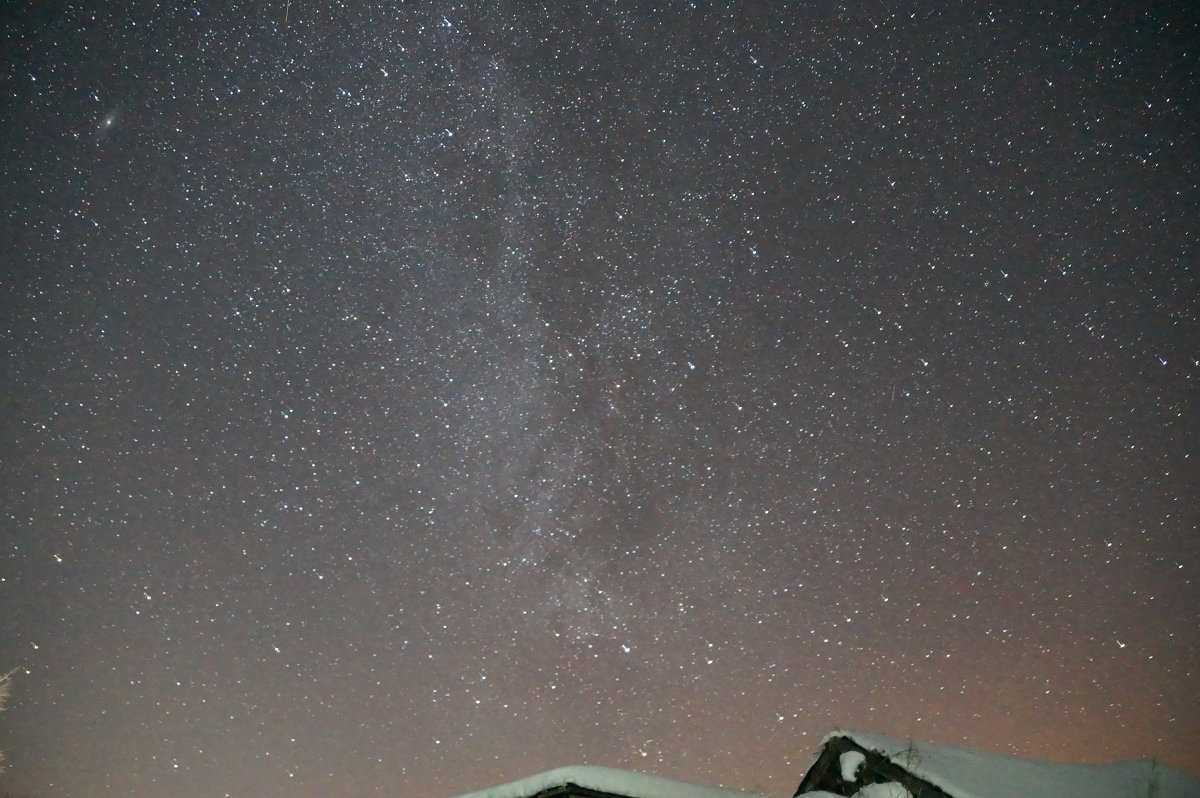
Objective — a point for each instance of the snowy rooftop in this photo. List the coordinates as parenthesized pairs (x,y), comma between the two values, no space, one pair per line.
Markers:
(965,773)
(617,782)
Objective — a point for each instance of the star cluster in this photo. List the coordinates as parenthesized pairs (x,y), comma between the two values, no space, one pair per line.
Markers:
(402,398)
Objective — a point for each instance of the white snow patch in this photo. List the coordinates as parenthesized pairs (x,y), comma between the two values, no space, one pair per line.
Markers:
(889,789)
(618,782)
(851,761)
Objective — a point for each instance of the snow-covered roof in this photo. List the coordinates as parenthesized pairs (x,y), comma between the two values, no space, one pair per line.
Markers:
(965,773)
(617,782)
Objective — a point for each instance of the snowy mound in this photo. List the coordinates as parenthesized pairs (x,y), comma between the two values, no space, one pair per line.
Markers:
(965,773)
(616,782)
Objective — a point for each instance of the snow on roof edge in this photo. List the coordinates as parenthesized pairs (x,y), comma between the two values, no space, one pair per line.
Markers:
(971,773)
(619,782)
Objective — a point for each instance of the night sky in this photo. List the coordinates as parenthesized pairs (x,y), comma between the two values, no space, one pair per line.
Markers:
(400,399)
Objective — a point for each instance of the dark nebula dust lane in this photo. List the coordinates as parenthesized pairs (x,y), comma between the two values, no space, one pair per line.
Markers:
(400,399)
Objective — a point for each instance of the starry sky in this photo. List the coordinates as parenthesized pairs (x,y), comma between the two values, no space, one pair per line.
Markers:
(402,398)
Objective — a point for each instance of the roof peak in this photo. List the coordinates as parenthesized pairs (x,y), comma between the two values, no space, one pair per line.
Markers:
(607,780)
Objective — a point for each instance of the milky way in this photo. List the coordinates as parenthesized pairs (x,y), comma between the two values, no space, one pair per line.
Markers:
(402,399)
